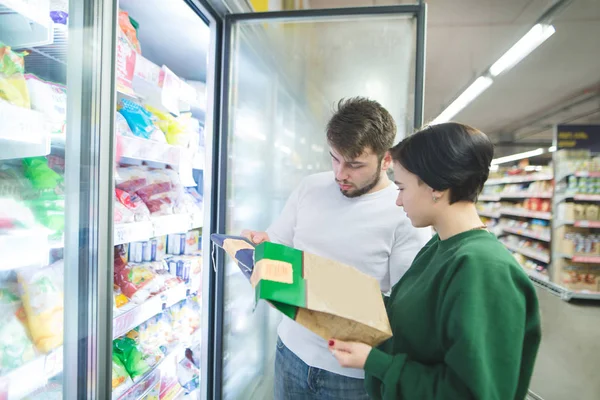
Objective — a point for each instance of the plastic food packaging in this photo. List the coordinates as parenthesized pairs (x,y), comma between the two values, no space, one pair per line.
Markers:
(141,121)
(128,352)
(13,87)
(133,204)
(125,23)
(120,377)
(51,99)
(16,348)
(188,370)
(159,194)
(135,281)
(42,296)
(121,126)
(174,128)
(48,201)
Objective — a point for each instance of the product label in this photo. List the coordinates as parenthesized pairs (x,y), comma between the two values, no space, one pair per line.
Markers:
(125,64)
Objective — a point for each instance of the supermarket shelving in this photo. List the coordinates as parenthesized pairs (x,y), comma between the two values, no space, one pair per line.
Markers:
(520,212)
(25,23)
(143,386)
(514,195)
(544,237)
(588,259)
(22,248)
(139,314)
(489,214)
(26,379)
(519,179)
(585,224)
(533,254)
(23,132)
(562,292)
(157,226)
(489,197)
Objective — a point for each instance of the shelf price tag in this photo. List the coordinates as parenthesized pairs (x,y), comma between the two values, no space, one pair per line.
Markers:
(122,323)
(121,234)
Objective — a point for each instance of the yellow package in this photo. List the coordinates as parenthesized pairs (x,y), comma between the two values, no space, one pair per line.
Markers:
(42,296)
(13,86)
(173,128)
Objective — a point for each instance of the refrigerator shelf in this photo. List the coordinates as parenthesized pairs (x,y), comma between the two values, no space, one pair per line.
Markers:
(143,386)
(22,248)
(26,379)
(141,313)
(23,132)
(158,226)
(151,379)
(147,150)
(519,179)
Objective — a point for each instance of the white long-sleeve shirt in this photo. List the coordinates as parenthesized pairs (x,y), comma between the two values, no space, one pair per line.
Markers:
(368,232)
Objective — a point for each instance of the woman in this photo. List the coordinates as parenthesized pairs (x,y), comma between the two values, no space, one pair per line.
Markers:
(465,316)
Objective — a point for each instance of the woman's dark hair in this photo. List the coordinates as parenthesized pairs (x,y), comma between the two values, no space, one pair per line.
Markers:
(448,156)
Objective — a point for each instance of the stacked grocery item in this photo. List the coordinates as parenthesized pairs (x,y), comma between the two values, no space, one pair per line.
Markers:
(532,265)
(141,350)
(536,188)
(517,242)
(31,314)
(28,91)
(157,117)
(581,244)
(146,269)
(578,212)
(33,196)
(142,192)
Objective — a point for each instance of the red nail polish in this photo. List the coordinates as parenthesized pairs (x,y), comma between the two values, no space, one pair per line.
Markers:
(331,343)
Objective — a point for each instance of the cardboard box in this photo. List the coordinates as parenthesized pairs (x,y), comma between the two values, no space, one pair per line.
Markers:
(327,297)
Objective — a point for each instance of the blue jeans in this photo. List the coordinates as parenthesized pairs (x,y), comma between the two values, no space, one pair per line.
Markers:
(294,380)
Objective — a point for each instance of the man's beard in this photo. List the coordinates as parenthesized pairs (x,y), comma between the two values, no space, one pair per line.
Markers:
(365,189)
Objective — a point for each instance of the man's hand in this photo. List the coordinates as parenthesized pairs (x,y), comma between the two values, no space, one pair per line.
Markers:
(255,236)
(350,354)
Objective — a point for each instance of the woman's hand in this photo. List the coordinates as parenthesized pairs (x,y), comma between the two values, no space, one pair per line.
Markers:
(350,354)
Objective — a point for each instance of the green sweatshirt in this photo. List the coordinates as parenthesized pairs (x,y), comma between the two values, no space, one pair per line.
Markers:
(466,325)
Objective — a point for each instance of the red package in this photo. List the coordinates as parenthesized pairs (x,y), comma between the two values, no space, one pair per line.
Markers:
(135,281)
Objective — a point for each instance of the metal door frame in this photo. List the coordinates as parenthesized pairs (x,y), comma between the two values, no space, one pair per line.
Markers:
(419,11)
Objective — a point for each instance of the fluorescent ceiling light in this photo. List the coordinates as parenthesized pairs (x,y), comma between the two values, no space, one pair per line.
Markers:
(552,149)
(532,39)
(518,156)
(476,88)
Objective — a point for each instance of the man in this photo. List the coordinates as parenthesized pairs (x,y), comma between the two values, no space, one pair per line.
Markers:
(348,215)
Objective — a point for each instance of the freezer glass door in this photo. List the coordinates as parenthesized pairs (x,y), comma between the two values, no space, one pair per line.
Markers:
(284,72)
(51,163)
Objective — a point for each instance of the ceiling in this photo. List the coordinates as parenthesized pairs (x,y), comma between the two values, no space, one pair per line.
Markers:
(558,82)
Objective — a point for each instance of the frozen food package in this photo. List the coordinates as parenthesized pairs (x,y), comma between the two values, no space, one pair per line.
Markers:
(158,193)
(174,128)
(126,25)
(136,282)
(139,119)
(188,370)
(42,295)
(51,99)
(130,179)
(16,347)
(121,126)
(14,215)
(134,204)
(128,352)
(122,214)
(121,380)
(13,87)
(47,201)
